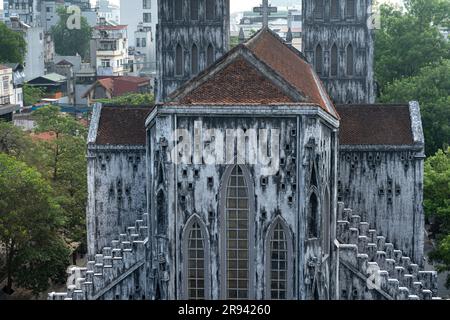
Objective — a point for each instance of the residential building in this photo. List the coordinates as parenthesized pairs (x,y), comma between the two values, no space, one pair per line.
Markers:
(105,9)
(35,54)
(7,106)
(107,88)
(141,16)
(84,79)
(109,49)
(54,86)
(18,82)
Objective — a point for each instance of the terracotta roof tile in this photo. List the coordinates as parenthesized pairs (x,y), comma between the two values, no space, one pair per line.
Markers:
(290,65)
(122,125)
(239,82)
(375,125)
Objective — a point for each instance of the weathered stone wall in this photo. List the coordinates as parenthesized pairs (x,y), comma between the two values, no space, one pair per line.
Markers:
(342,88)
(186,32)
(385,188)
(116,192)
(197,190)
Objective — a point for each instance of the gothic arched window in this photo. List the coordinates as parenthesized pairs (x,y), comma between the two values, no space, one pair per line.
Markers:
(313,215)
(179,60)
(279,267)
(350,62)
(194,9)
(194,59)
(319,59)
(210,55)
(350,9)
(334,61)
(318,9)
(161,221)
(334,10)
(237,236)
(210,9)
(178,8)
(195,252)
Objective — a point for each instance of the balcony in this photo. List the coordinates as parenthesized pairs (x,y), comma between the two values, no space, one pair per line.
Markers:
(4,100)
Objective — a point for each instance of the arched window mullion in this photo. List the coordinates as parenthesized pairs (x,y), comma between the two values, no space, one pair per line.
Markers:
(195,253)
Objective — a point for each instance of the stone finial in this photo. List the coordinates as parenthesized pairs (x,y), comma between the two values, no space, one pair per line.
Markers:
(289,37)
(241,36)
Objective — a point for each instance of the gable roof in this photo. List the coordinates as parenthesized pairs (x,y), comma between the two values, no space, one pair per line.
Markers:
(375,125)
(239,82)
(119,86)
(268,64)
(64,62)
(122,125)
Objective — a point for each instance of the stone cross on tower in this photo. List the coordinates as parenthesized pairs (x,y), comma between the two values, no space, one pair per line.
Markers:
(265,10)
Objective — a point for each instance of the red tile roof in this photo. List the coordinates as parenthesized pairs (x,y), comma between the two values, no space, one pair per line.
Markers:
(108,27)
(122,126)
(375,125)
(287,62)
(239,82)
(118,86)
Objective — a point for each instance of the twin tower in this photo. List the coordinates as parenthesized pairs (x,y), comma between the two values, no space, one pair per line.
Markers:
(337,40)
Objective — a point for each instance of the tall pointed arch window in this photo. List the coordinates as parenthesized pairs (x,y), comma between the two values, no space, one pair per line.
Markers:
(319,59)
(334,61)
(194,59)
(334,9)
(350,9)
(196,268)
(350,62)
(318,9)
(313,216)
(279,262)
(178,10)
(179,60)
(210,9)
(194,9)
(210,55)
(237,236)
(326,222)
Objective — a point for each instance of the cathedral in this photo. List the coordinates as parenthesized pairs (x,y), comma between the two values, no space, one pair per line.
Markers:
(261,172)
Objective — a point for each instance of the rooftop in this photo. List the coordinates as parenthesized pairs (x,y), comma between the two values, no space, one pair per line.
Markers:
(375,125)
(122,125)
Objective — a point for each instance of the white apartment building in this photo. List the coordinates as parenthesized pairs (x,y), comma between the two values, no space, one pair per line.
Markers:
(110,45)
(141,16)
(107,10)
(35,54)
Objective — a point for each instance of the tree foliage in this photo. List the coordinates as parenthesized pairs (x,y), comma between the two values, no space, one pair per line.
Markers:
(431,87)
(32,95)
(409,41)
(131,99)
(69,42)
(29,223)
(437,205)
(12,45)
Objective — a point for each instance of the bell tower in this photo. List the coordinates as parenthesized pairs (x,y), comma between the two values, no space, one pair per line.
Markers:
(191,35)
(338,41)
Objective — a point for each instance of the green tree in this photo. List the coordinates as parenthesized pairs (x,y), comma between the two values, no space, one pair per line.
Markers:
(407,42)
(431,87)
(32,95)
(29,223)
(17,143)
(66,167)
(69,42)
(12,44)
(131,99)
(437,205)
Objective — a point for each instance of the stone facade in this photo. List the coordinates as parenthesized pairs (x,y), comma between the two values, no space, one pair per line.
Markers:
(189,40)
(339,43)
(229,229)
